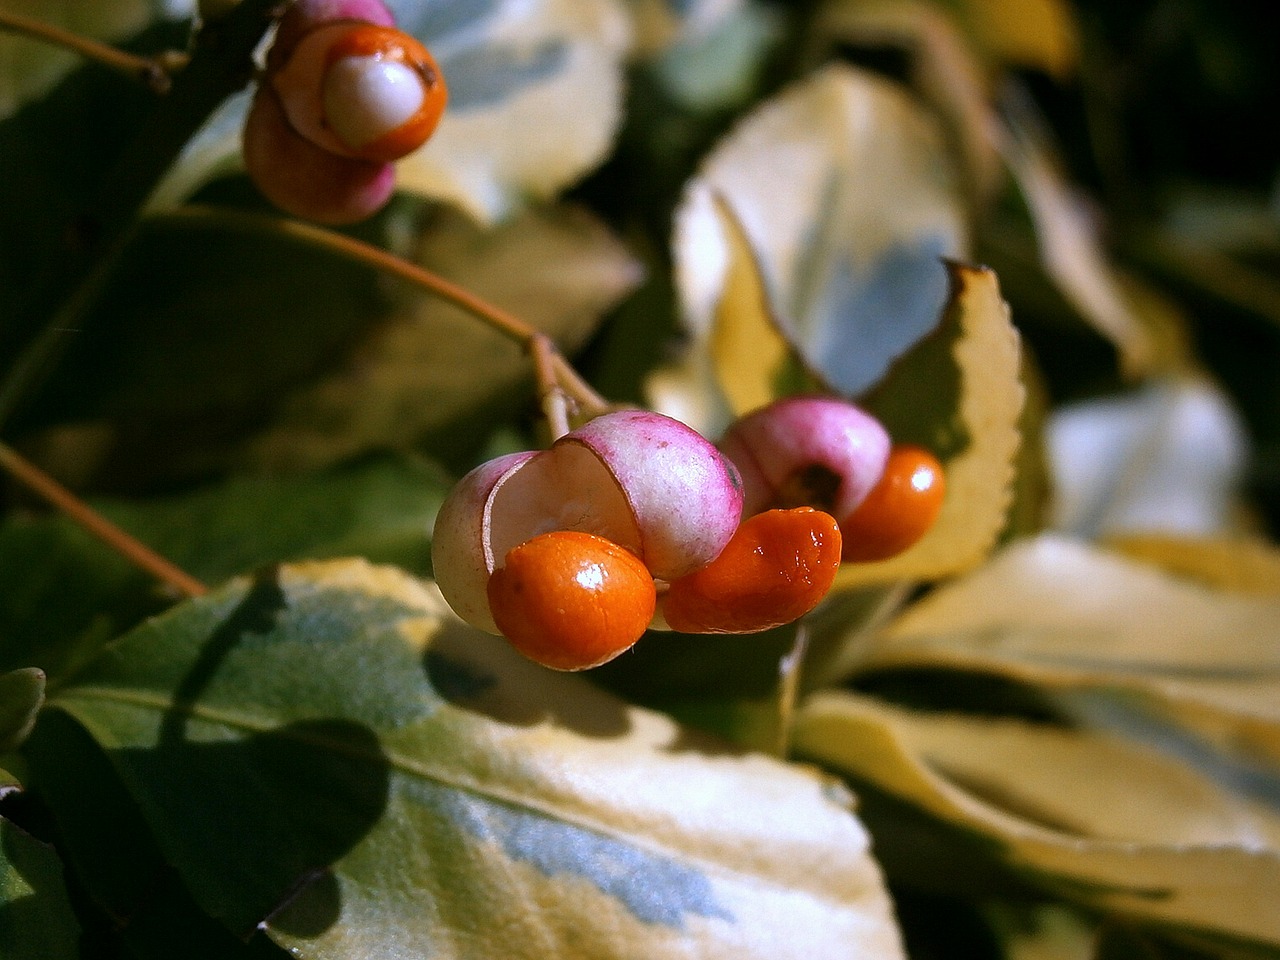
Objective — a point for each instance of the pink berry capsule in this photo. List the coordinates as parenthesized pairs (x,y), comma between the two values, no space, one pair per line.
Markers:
(642,481)
(305,180)
(822,452)
(685,495)
(462,557)
(344,94)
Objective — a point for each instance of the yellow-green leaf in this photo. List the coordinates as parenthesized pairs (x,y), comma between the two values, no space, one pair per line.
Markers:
(1024,33)
(1237,564)
(326,753)
(944,69)
(1162,842)
(748,353)
(1060,613)
(980,348)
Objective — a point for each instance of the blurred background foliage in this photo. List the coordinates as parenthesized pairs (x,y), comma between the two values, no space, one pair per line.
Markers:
(1147,127)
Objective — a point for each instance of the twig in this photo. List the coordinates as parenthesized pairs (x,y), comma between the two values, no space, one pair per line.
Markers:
(95,523)
(550,393)
(155,72)
(559,369)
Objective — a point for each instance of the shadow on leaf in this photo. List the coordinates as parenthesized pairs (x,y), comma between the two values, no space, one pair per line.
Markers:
(255,824)
(482,674)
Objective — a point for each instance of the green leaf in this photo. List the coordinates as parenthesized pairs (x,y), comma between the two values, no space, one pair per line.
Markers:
(1163,843)
(845,192)
(167,341)
(36,919)
(433,371)
(713,56)
(140,899)
(325,751)
(54,154)
(21,696)
(382,509)
(661,24)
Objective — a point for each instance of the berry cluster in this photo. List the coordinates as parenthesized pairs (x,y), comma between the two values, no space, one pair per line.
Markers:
(344,95)
(634,520)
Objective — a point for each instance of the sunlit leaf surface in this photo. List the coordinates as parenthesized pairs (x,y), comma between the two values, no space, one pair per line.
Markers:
(1161,842)
(1166,458)
(845,192)
(457,800)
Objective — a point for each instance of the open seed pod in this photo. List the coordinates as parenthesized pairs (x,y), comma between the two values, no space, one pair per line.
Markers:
(820,452)
(641,480)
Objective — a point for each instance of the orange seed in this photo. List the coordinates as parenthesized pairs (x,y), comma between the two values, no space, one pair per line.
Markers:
(776,568)
(571,600)
(899,510)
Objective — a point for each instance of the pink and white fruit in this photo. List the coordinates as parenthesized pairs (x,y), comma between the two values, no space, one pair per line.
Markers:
(685,495)
(344,93)
(820,452)
(643,481)
(462,558)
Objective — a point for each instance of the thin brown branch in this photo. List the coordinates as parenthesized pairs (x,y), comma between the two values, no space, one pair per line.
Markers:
(95,523)
(574,387)
(550,393)
(155,72)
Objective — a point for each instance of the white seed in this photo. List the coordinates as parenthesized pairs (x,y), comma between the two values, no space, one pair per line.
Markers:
(366,98)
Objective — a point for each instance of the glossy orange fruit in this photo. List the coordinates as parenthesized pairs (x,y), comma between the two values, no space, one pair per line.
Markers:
(571,600)
(776,568)
(899,510)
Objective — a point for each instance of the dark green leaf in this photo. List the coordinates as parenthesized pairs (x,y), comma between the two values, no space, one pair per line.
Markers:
(21,695)
(382,509)
(35,914)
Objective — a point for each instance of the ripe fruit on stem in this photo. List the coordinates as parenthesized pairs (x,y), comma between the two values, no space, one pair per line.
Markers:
(571,600)
(643,481)
(899,510)
(777,567)
(344,94)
